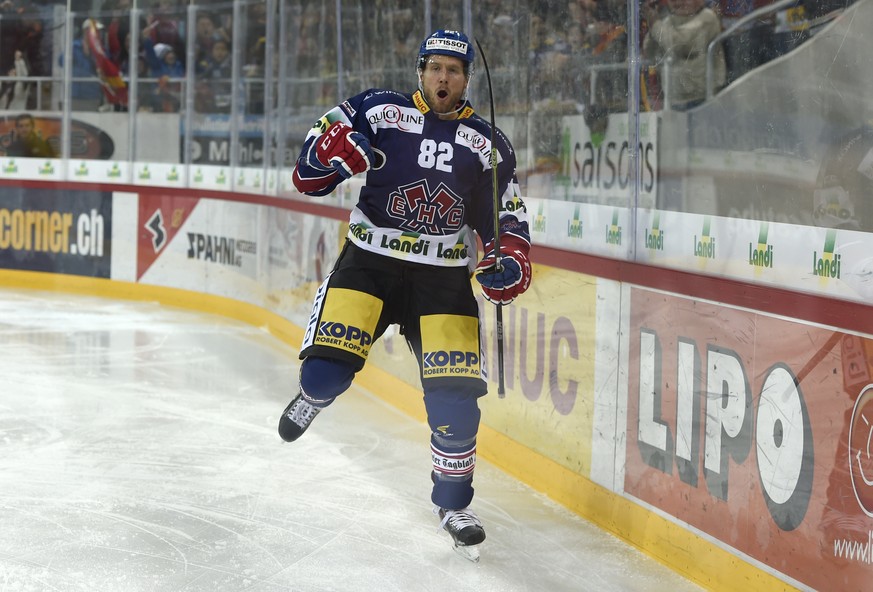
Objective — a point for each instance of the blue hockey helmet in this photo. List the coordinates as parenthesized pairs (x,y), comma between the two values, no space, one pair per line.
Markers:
(449,43)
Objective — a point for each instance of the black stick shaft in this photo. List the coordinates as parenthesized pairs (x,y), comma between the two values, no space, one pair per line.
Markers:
(501,391)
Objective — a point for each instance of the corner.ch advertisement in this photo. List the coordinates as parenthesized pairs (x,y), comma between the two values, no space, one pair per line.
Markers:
(56,231)
(756,430)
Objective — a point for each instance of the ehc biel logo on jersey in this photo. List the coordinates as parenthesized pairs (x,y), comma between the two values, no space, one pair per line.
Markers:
(429,212)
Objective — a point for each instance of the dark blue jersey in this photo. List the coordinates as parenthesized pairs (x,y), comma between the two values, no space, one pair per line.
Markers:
(431,184)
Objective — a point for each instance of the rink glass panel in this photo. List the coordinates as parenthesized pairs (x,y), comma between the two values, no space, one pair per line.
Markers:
(785,141)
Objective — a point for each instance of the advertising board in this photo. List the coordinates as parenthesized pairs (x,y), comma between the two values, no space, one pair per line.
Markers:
(755,430)
(59,232)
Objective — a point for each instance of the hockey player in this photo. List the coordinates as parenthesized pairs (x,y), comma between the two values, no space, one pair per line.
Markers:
(409,254)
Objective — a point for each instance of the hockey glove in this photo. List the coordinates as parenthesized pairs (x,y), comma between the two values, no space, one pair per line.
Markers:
(513,279)
(344,149)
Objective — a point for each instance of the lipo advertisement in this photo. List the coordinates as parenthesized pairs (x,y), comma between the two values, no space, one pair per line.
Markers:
(757,431)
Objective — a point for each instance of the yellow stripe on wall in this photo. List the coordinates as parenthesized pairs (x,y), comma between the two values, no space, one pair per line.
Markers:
(690,555)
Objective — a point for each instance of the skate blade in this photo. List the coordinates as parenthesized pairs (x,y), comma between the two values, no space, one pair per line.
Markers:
(470,553)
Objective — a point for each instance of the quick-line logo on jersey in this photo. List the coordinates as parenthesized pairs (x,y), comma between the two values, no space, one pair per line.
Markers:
(477,143)
(400,118)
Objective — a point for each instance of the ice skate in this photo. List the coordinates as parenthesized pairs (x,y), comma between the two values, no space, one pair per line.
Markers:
(296,418)
(466,531)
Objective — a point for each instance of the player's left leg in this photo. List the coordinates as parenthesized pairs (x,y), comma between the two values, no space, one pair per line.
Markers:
(453,416)
(445,339)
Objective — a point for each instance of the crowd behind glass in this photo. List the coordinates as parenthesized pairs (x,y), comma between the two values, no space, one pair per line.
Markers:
(549,58)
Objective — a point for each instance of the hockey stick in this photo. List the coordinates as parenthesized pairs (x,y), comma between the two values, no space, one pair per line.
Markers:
(498,267)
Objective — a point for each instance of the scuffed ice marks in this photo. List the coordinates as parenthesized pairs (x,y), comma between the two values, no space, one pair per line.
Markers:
(19,434)
(138,452)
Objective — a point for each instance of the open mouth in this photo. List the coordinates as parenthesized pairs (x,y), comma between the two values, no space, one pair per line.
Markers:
(442,94)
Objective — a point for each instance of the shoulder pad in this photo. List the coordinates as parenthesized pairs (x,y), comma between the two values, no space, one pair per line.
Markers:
(378,95)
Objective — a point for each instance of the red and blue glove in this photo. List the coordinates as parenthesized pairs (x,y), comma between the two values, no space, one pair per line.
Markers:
(342,148)
(514,277)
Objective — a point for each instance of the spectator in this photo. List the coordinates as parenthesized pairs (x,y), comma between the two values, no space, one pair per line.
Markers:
(207,34)
(747,47)
(501,25)
(162,60)
(609,30)
(8,88)
(18,90)
(218,64)
(405,36)
(118,36)
(21,29)
(122,58)
(580,31)
(547,61)
(28,142)
(113,85)
(164,66)
(164,26)
(256,36)
(87,95)
(148,98)
(214,80)
(548,57)
(678,44)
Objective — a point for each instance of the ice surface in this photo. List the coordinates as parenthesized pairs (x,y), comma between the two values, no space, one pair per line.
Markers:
(138,451)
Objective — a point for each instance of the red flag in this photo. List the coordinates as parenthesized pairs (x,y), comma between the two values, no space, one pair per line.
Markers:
(114,87)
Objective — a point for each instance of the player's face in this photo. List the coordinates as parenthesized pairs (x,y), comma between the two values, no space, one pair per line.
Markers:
(443,82)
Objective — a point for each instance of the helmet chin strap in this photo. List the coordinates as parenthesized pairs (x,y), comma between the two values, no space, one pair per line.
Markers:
(453,112)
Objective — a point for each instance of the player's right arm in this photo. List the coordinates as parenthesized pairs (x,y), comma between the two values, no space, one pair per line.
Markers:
(332,152)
